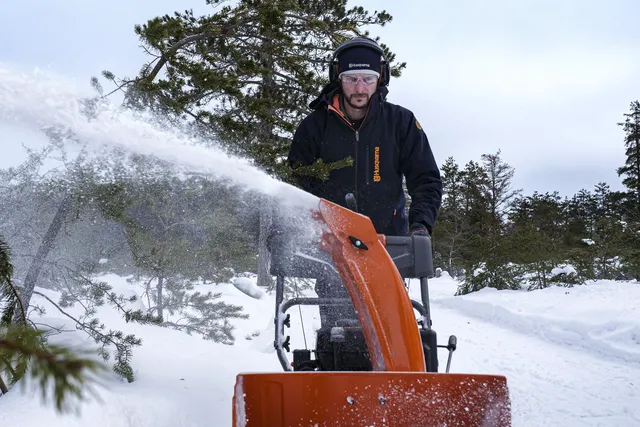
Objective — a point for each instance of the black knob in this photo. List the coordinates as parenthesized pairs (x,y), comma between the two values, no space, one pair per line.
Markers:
(453,342)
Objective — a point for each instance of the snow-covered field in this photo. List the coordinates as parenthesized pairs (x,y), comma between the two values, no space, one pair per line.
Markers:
(571,356)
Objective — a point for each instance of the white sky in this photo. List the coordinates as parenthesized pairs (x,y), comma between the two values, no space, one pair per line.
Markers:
(544,81)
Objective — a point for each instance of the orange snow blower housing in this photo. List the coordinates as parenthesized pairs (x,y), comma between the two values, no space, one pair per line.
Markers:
(381,370)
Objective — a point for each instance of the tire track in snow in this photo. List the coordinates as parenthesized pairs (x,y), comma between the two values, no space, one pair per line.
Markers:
(550,385)
(612,341)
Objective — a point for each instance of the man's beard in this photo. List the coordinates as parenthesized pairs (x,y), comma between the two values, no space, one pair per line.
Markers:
(358,107)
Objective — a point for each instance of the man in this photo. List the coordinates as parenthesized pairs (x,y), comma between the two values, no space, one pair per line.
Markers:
(351,118)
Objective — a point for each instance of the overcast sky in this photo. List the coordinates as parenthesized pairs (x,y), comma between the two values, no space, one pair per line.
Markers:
(546,82)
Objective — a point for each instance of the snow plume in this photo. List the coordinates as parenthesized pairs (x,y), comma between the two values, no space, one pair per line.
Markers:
(42,101)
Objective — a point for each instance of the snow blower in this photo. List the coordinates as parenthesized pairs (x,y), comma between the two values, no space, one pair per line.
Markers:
(377,367)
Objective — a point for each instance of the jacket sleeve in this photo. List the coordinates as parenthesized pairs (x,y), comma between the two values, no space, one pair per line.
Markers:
(304,152)
(417,163)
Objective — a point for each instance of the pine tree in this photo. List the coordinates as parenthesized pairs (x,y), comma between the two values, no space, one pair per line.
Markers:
(630,251)
(25,351)
(244,76)
(499,185)
(499,197)
(452,235)
(608,234)
(180,232)
(475,200)
(489,186)
(631,169)
(63,192)
(28,206)
(48,241)
(580,232)
(582,212)
(478,266)
(536,237)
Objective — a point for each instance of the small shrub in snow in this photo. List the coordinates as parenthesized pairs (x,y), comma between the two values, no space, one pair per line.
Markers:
(493,276)
(566,275)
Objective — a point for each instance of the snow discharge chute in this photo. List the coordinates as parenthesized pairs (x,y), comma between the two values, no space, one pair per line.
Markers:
(377,369)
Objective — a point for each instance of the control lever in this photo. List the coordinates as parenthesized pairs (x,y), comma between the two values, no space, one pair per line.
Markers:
(351,202)
(451,346)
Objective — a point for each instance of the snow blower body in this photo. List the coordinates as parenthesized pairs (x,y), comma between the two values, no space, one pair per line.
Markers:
(375,363)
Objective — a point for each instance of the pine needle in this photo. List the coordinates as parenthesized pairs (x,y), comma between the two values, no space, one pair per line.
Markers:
(46,363)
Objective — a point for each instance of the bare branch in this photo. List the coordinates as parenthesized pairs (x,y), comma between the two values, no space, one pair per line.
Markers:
(78,322)
(119,87)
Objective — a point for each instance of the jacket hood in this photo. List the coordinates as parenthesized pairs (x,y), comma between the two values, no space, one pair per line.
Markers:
(330,90)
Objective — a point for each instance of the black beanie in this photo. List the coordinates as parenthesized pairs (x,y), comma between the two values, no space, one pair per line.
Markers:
(359,59)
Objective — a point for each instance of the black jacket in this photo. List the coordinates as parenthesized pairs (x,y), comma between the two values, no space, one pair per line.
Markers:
(388,144)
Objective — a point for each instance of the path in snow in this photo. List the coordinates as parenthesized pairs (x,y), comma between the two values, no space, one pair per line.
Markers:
(550,384)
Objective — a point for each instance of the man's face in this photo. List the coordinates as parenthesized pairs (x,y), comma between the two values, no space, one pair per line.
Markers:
(356,90)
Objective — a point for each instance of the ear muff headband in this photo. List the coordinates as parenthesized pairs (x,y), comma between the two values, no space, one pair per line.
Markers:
(385,73)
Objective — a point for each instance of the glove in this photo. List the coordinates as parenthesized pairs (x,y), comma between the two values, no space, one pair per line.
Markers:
(419,229)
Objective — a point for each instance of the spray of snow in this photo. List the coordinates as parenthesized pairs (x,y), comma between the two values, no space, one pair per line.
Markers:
(241,416)
(41,101)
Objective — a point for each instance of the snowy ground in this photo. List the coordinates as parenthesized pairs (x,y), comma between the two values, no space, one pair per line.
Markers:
(571,356)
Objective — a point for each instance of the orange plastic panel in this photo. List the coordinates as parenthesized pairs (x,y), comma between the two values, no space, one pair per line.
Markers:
(376,289)
(370,399)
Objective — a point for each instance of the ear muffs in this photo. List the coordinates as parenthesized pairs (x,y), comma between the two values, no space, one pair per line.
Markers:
(385,73)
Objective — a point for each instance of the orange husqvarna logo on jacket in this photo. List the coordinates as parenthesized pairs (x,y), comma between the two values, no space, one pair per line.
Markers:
(376,165)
